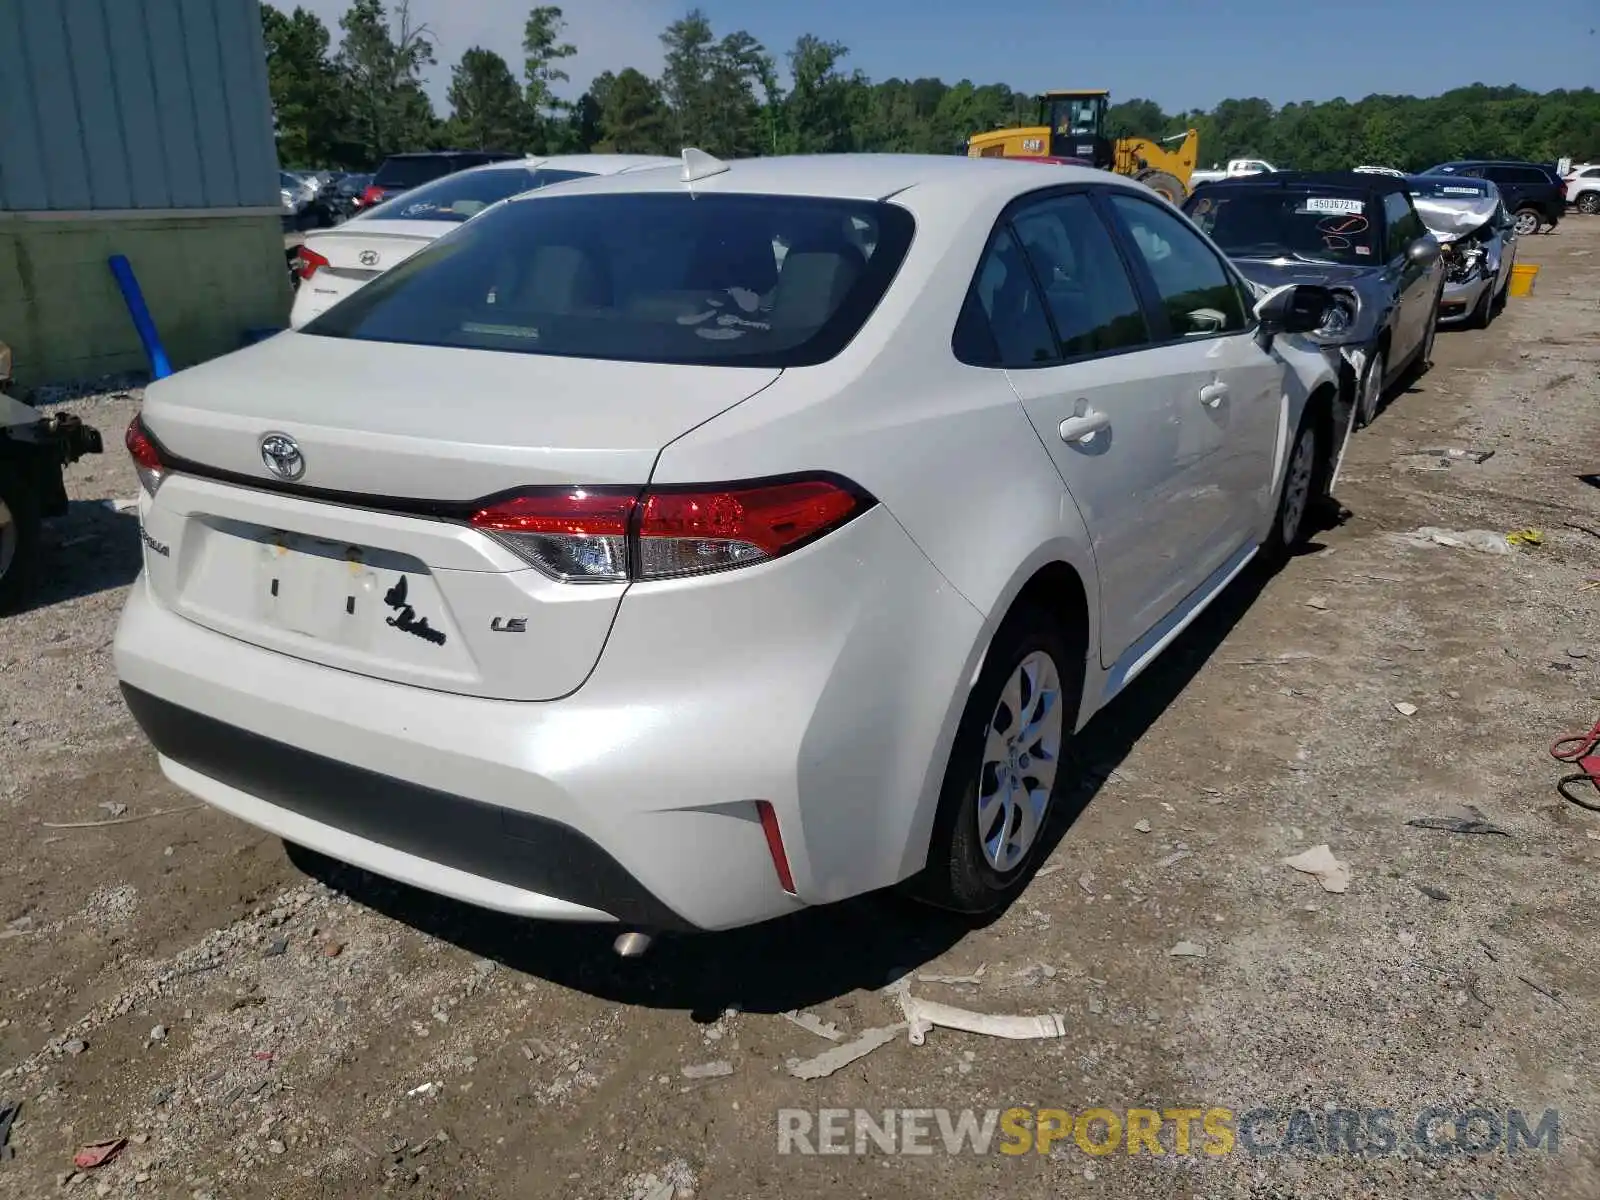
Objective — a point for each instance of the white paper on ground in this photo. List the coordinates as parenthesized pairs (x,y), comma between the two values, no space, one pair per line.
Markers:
(1319,861)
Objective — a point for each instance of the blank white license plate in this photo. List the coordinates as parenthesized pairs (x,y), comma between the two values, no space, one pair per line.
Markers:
(320,589)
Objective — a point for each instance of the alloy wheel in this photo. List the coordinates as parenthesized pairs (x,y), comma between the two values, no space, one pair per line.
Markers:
(1589,203)
(1021,755)
(1527,223)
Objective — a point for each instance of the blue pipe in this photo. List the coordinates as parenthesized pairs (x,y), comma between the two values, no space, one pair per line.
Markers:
(160,367)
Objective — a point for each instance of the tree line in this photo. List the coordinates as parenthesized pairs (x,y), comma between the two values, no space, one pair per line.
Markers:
(352,104)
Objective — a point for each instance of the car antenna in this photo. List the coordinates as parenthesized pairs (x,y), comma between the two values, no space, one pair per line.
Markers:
(697,164)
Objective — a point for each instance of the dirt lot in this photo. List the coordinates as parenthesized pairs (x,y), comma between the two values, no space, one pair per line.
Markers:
(259,1025)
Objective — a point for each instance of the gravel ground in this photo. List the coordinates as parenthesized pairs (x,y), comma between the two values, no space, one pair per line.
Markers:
(264,1023)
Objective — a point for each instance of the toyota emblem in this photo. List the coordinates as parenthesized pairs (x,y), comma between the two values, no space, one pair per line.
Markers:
(282,457)
(369,258)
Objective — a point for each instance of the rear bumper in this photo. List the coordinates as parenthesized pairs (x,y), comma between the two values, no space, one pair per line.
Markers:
(827,684)
(529,855)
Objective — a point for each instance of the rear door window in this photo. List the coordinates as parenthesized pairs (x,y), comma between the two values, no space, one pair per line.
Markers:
(730,279)
(1198,293)
(1086,288)
(1003,322)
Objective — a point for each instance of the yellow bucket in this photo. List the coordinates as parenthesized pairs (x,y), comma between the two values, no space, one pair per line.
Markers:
(1522,277)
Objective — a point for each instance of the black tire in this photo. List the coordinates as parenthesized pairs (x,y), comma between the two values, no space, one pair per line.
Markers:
(1168,186)
(20,575)
(1483,311)
(958,875)
(1588,203)
(1528,221)
(1290,530)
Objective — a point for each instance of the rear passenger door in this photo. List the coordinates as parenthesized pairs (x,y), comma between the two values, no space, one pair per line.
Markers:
(1053,304)
(1226,389)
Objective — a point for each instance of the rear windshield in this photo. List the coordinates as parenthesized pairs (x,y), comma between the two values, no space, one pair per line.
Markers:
(1327,224)
(409,172)
(1454,188)
(736,280)
(464,194)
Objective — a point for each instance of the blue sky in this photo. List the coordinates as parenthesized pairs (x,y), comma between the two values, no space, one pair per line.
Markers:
(1179,53)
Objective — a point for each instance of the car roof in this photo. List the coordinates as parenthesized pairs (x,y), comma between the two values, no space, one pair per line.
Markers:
(1447,177)
(956,179)
(1495,162)
(597,164)
(1361,181)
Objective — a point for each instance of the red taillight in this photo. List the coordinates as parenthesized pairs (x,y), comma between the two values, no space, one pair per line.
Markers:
(307,261)
(609,535)
(146,457)
(780,859)
(373,195)
(686,532)
(576,534)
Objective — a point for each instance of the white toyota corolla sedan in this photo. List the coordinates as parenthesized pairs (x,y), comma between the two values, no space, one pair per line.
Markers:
(683,547)
(332,263)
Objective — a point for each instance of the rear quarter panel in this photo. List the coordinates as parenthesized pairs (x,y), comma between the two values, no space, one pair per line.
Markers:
(949,452)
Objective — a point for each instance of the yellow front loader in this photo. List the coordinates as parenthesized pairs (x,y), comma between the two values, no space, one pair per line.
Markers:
(1072,125)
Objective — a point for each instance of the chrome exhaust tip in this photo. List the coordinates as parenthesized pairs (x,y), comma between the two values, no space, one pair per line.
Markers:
(631,945)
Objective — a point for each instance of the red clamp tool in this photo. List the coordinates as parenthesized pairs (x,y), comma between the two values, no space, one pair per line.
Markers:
(1583,749)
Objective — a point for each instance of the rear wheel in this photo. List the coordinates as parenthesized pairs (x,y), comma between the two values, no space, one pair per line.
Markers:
(19,540)
(1528,222)
(1166,185)
(1589,203)
(1005,767)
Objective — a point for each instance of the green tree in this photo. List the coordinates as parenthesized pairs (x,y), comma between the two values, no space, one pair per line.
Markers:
(826,109)
(382,61)
(543,52)
(686,78)
(633,117)
(488,111)
(309,113)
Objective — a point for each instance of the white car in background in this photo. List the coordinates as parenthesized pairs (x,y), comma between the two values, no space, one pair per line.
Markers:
(336,262)
(1583,188)
(599,566)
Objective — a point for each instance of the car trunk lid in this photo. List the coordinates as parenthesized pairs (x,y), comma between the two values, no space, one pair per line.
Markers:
(366,561)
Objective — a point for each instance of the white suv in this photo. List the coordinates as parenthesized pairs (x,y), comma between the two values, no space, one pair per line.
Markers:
(686,546)
(1583,188)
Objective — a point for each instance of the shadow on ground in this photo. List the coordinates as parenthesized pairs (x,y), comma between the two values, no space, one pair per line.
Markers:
(91,549)
(818,954)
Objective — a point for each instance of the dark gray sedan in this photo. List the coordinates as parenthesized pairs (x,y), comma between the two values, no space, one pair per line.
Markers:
(1356,233)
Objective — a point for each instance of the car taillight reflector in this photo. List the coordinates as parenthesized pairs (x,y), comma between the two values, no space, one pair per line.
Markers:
(687,532)
(146,457)
(610,535)
(307,261)
(577,535)
(780,857)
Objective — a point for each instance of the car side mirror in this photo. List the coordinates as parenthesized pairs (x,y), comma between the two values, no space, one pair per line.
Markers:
(1424,252)
(1298,308)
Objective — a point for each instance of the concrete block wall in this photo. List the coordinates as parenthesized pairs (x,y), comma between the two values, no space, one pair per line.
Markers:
(206,279)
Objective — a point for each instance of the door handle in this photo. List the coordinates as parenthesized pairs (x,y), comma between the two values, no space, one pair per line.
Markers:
(1084,426)
(1213,394)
